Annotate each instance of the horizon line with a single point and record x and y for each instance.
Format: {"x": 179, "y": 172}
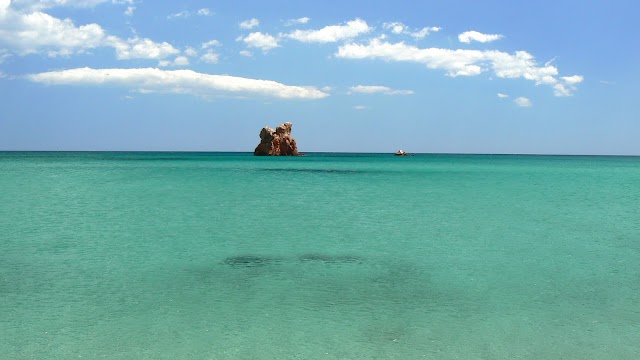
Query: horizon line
{"x": 307, "y": 152}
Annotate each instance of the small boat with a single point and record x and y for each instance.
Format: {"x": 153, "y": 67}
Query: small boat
{"x": 400, "y": 153}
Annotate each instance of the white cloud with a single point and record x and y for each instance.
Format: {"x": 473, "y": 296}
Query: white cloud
{"x": 34, "y": 5}
{"x": 211, "y": 43}
{"x": 502, "y": 96}
{"x": 395, "y": 27}
{"x": 137, "y": 48}
{"x": 400, "y": 28}
{"x": 249, "y": 24}
{"x": 178, "y": 61}
{"x": 569, "y": 85}
{"x": 181, "y": 61}
{"x": 2, "y": 75}
{"x": 179, "y": 15}
{"x": 373, "y": 89}
{"x": 37, "y": 32}
{"x": 456, "y": 62}
{"x": 29, "y": 33}
{"x": 204, "y": 12}
{"x": 302, "y": 20}
{"x": 4, "y": 7}
{"x": 332, "y": 33}
{"x": 246, "y": 53}
{"x": 360, "y": 107}
{"x": 561, "y": 90}
{"x": 130, "y": 10}
{"x": 189, "y": 51}
{"x": 572, "y": 80}
{"x": 523, "y": 102}
{"x": 550, "y": 61}
{"x": 185, "y": 14}
{"x": 38, "y": 5}
{"x": 4, "y": 55}
{"x": 151, "y": 80}
{"x": 259, "y": 40}
{"x": 469, "y": 36}
{"x": 210, "y": 57}
{"x": 521, "y": 64}
{"x": 421, "y": 34}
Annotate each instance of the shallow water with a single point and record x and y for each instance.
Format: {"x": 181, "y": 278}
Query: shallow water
{"x": 332, "y": 256}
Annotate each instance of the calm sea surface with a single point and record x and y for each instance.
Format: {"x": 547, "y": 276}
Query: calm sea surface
{"x": 328, "y": 256}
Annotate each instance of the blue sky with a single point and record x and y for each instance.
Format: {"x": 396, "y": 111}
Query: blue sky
{"x": 546, "y": 77}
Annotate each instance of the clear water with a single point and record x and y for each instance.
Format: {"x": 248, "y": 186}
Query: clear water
{"x": 229, "y": 256}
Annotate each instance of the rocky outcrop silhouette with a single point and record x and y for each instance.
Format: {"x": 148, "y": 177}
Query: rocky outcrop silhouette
{"x": 277, "y": 142}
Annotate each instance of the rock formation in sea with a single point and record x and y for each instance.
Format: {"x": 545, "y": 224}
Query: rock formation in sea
{"x": 277, "y": 142}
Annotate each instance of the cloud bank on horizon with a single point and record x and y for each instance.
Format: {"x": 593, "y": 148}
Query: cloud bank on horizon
{"x": 26, "y": 29}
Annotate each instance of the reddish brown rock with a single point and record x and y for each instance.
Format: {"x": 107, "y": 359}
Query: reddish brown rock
{"x": 277, "y": 142}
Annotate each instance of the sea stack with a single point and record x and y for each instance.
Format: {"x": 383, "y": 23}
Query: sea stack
{"x": 277, "y": 142}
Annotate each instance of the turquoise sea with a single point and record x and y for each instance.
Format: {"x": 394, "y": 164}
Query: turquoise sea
{"x": 328, "y": 256}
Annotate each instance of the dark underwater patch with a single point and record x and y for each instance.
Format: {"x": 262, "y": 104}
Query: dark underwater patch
{"x": 159, "y": 159}
{"x": 317, "y": 171}
{"x": 249, "y": 260}
{"x": 332, "y": 259}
